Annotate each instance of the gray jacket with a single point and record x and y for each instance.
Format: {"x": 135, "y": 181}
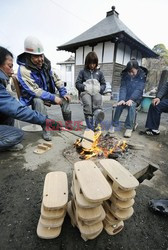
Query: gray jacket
{"x": 87, "y": 74}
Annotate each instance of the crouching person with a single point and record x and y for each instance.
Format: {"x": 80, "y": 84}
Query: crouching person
{"x": 38, "y": 82}
{"x": 10, "y": 108}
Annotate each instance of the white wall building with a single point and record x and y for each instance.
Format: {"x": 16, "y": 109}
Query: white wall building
{"x": 114, "y": 43}
{"x": 67, "y": 69}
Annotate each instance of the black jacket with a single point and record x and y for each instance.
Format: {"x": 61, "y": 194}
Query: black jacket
{"x": 163, "y": 91}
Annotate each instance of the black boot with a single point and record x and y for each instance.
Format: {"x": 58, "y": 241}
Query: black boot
{"x": 89, "y": 122}
{"x": 66, "y": 116}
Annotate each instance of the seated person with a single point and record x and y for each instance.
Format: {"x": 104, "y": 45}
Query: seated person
{"x": 133, "y": 79}
{"x": 159, "y": 105}
{"x": 10, "y": 108}
{"x": 91, "y": 84}
{"x": 38, "y": 82}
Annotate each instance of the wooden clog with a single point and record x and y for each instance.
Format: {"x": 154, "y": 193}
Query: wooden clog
{"x": 55, "y": 192}
{"x": 93, "y": 184}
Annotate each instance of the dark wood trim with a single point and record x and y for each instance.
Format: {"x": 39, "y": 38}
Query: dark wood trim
{"x": 124, "y": 53}
{"x": 114, "y": 60}
{"x": 83, "y": 55}
{"x": 103, "y": 52}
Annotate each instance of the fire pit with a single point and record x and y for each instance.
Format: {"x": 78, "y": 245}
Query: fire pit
{"x": 103, "y": 146}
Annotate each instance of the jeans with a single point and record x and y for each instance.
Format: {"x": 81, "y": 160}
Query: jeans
{"x": 154, "y": 114}
{"x": 9, "y": 136}
{"x": 129, "y": 122}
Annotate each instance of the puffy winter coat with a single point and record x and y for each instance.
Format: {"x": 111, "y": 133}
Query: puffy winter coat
{"x": 163, "y": 92}
{"x": 10, "y": 107}
{"x": 35, "y": 82}
{"x": 87, "y": 74}
{"x": 132, "y": 87}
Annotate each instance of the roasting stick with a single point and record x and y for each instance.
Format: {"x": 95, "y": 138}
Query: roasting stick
{"x": 80, "y": 136}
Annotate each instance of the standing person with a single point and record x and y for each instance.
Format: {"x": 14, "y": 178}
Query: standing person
{"x": 91, "y": 84}
{"x": 159, "y": 105}
{"x": 10, "y": 108}
{"x": 38, "y": 82}
{"x": 133, "y": 79}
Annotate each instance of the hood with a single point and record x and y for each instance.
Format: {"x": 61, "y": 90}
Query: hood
{"x": 3, "y": 76}
{"x": 141, "y": 71}
{"x": 24, "y": 59}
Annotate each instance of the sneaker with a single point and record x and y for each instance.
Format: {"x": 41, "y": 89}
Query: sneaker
{"x": 150, "y": 132}
{"x": 128, "y": 133}
{"x": 15, "y": 148}
{"x": 46, "y": 135}
{"x": 111, "y": 129}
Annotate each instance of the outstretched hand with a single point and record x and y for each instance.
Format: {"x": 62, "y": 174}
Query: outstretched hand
{"x": 67, "y": 98}
{"x": 121, "y": 103}
{"x": 58, "y": 100}
{"x": 156, "y": 101}
{"x": 129, "y": 103}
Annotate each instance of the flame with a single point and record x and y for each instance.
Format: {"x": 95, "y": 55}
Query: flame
{"x": 97, "y": 150}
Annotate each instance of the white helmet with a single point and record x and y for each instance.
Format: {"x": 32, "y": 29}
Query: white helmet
{"x": 33, "y": 46}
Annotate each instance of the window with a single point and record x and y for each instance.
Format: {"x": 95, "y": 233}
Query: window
{"x": 68, "y": 68}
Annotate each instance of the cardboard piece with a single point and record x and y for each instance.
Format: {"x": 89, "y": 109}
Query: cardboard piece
{"x": 42, "y": 148}
{"x": 124, "y": 179}
{"x": 55, "y": 192}
{"x": 90, "y": 135}
{"x": 93, "y": 184}
{"x": 47, "y": 233}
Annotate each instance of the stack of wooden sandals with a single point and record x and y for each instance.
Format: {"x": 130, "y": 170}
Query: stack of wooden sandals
{"x": 54, "y": 205}
{"x": 89, "y": 189}
{"x": 119, "y": 207}
{"x": 99, "y": 199}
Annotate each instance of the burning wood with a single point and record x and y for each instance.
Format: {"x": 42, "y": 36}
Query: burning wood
{"x": 106, "y": 146}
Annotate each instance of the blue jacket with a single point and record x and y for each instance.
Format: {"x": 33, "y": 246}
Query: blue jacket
{"x": 36, "y": 82}
{"x": 87, "y": 74}
{"x": 9, "y": 106}
{"x": 132, "y": 87}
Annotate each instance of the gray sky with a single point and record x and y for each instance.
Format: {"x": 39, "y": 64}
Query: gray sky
{"x": 55, "y": 22}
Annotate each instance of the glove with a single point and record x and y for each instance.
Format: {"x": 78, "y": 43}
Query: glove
{"x": 92, "y": 86}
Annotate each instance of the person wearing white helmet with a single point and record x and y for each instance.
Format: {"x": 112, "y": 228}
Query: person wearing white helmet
{"x": 38, "y": 82}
